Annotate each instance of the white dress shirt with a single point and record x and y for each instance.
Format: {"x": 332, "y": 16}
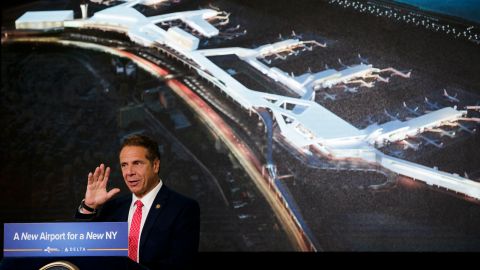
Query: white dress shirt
{"x": 147, "y": 201}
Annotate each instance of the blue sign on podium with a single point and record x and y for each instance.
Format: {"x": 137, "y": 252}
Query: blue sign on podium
{"x": 65, "y": 239}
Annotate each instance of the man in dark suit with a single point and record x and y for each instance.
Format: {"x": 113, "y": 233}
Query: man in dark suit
{"x": 164, "y": 226}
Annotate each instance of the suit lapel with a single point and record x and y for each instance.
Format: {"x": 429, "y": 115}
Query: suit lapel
{"x": 157, "y": 208}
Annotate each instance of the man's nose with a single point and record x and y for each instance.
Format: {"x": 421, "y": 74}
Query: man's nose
{"x": 129, "y": 170}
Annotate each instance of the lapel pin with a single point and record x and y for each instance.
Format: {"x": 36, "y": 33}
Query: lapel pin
{"x": 158, "y": 206}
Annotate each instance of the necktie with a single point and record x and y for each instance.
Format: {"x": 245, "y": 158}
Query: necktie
{"x": 135, "y": 232}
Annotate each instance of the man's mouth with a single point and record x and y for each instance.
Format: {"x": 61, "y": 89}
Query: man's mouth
{"x": 133, "y": 183}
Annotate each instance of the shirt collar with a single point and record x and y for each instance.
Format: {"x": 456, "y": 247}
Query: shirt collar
{"x": 150, "y": 196}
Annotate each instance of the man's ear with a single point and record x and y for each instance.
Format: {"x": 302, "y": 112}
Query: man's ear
{"x": 156, "y": 165}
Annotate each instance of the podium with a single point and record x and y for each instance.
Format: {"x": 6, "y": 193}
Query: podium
{"x": 67, "y": 246}
{"x": 82, "y": 263}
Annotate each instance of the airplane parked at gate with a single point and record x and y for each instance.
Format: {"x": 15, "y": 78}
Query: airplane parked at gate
{"x": 413, "y": 111}
{"x": 451, "y": 98}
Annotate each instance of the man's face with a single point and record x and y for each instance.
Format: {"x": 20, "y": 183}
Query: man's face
{"x": 139, "y": 173}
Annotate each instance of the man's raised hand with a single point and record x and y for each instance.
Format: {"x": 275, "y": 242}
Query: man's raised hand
{"x": 97, "y": 194}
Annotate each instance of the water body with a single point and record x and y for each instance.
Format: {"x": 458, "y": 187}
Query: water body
{"x": 464, "y": 9}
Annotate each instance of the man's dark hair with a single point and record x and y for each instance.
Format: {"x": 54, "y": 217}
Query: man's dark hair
{"x": 143, "y": 141}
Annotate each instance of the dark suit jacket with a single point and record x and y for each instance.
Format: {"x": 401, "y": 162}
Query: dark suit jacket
{"x": 171, "y": 232}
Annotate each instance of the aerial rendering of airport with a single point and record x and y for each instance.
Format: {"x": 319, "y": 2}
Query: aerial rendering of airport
{"x": 334, "y": 125}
